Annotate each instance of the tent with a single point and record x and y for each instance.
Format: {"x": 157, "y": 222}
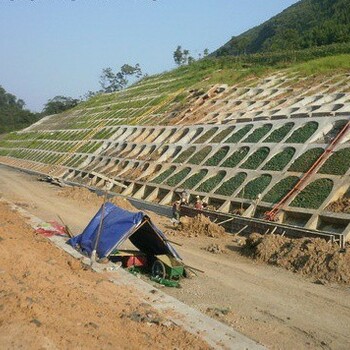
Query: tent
{"x": 119, "y": 225}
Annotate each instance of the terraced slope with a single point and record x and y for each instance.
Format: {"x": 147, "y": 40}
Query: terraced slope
{"x": 257, "y": 134}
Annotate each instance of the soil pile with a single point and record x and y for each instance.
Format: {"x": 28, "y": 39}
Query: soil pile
{"x": 215, "y": 249}
{"x": 342, "y": 205}
{"x": 85, "y": 196}
{"x": 309, "y": 256}
{"x": 201, "y": 226}
{"x": 49, "y": 300}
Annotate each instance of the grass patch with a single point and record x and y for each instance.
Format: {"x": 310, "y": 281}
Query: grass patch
{"x": 302, "y": 134}
{"x": 258, "y": 134}
{"x": 165, "y": 174}
{"x": 217, "y": 157}
{"x": 207, "y": 135}
{"x": 279, "y": 134}
{"x": 178, "y": 177}
{"x": 280, "y": 160}
{"x": 230, "y": 186}
{"x": 223, "y": 134}
{"x": 211, "y": 183}
{"x": 306, "y": 160}
{"x": 195, "y": 179}
{"x": 185, "y": 155}
{"x": 238, "y": 135}
{"x": 256, "y": 158}
{"x": 236, "y": 157}
{"x": 338, "y": 163}
{"x": 255, "y": 187}
{"x": 314, "y": 194}
{"x": 200, "y": 156}
{"x": 280, "y": 189}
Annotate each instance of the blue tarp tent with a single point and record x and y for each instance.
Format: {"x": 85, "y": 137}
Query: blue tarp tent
{"x": 119, "y": 225}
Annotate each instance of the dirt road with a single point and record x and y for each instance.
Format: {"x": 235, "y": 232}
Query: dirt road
{"x": 273, "y": 306}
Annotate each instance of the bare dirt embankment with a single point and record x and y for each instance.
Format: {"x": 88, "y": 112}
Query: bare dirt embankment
{"x": 313, "y": 257}
{"x": 49, "y": 300}
{"x": 278, "y": 308}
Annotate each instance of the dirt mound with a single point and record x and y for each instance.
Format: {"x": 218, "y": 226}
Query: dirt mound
{"x": 215, "y": 249}
{"x": 49, "y": 300}
{"x": 309, "y": 256}
{"x": 201, "y": 226}
{"x": 342, "y": 205}
{"x": 85, "y": 196}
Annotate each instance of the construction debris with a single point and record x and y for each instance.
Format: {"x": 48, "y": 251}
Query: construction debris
{"x": 215, "y": 249}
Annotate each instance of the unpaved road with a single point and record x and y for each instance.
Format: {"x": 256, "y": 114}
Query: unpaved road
{"x": 270, "y": 305}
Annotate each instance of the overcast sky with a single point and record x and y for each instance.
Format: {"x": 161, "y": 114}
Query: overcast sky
{"x": 59, "y": 47}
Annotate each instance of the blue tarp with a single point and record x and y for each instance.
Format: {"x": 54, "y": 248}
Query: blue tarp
{"x": 119, "y": 225}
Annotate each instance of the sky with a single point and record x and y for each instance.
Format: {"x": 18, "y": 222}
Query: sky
{"x": 59, "y": 47}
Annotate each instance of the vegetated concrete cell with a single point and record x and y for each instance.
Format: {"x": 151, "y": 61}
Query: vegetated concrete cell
{"x": 256, "y": 158}
{"x": 194, "y": 179}
{"x": 185, "y": 154}
{"x": 236, "y": 157}
{"x": 338, "y": 163}
{"x": 255, "y": 187}
{"x": 281, "y": 189}
{"x": 230, "y": 186}
{"x": 217, "y": 157}
{"x": 207, "y": 135}
{"x": 314, "y": 194}
{"x": 164, "y": 175}
{"x": 279, "y": 134}
{"x": 280, "y": 160}
{"x": 303, "y": 133}
{"x": 199, "y": 156}
{"x": 306, "y": 160}
{"x": 258, "y": 133}
{"x": 239, "y": 134}
{"x": 211, "y": 183}
{"x": 178, "y": 177}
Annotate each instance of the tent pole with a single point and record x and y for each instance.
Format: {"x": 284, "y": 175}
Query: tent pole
{"x": 93, "y": 254}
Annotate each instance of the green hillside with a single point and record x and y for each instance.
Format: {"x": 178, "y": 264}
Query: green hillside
{"x": 306, "y": 24}
{"x": 13, "y": 116}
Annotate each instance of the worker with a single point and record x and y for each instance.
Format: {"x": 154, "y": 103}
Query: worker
{"x": 184, "y": 197}
{"x": 198, "y": 205}
{"x": 176, "y": 213}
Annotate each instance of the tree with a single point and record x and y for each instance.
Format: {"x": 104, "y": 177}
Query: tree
{"x": 13, "y": 116}
{"x": 111, "y": 82}
{"x": 59, "y": 104}
{"x": 178, "y": 56}
{"x": 182, "y": 57}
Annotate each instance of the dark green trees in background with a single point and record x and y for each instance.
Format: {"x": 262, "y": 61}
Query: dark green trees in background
{"x": 13, "y": 116}
{"x": 59, "y": 104}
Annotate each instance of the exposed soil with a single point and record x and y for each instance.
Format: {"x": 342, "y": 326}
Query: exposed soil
{"x": 313, "y": 257}
{"x": 200, "y": 225}
{"x": 278, "y": 308}
{"x": 85, "y": 196}
{"x": 49, "y": 300}
{"x": 342, "y": 205}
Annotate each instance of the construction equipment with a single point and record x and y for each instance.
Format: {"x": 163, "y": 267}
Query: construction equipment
{"x": 167, "y": 267}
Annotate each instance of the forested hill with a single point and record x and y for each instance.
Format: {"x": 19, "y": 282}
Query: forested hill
{"x": 308, "y": 23}
{"x": 13, "y": 116}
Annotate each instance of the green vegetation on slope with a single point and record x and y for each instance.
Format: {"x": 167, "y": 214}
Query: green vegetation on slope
{"x": 306, "y": 24}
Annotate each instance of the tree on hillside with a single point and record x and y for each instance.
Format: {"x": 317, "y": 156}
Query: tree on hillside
{"x": 182, "y": 57}
{"x": 111, "y": 82}
{"x": 59, "y": 104}
{"x": 13, "y": 116}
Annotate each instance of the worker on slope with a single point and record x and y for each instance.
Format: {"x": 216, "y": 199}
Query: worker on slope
{"x": 199, "y": 204}
{"x": 176, "y": 213}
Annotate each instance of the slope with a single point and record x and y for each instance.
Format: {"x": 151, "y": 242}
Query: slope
{"x": 306, "y": 24}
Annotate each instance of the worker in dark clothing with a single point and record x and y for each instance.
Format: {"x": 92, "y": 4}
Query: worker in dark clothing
{"x": 176, "y": 213}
